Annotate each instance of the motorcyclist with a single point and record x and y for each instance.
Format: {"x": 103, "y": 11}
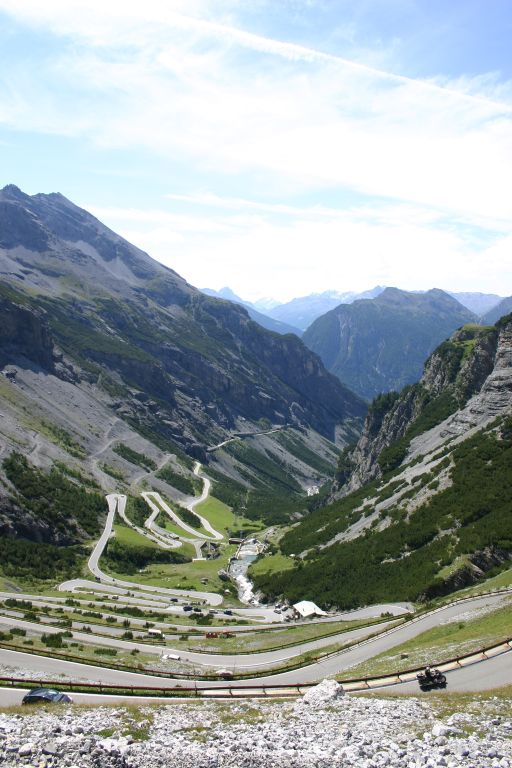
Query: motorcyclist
{"x": 429, "y": 672}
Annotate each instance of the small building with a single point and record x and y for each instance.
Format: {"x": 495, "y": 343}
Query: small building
{"x": 306, "y": 608}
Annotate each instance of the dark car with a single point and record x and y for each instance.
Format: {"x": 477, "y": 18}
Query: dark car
{"x": 187, "y": 608}
{"x": 49, "y": 695}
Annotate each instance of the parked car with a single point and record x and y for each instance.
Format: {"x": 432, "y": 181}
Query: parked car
{"x": 187, "y": 608}
{"x": 46, "y": 695}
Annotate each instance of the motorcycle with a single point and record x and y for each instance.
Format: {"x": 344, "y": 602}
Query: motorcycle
{"x": 436, "y": 679}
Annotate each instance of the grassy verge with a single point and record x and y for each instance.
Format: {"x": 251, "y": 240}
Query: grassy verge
{"x": 73, "y": 649}
{"x": 445, "y": 641}
{"x": 124, "y": 618}
{"x": 271, "y": 564}
{"x": 164, "y": 521}
{"x": 223, "y": 519}
{"x": 187, "y": 575}
{"x": 96, "y": 654}
{"x": 175, "y": 575}
{"x": 130, "y": 537}
{"x": 265, "y": 640}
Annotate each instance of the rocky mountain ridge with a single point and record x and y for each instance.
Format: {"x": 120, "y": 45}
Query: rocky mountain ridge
{"x": 104, "y": 348}
{"x": 467, "y": 382}
{"x": 255, "y": 314}
{"x": 377, "y": 345}
{"x": 477, "y": 302}
{"x": 422, "y": 503}
{"x": 111, "y": 304}
{"x": 304, "y": 310}
{"x": 504, "y": 307}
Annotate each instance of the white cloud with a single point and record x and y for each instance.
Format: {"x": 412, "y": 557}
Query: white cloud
{"x": 297, "y": 256}
{"x": 309, "y": 130}
{"x": 179, "y": 79}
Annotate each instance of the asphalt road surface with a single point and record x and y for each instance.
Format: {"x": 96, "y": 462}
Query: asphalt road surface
{"x": 482, "y": 676}
{"x": 337, "y": 663}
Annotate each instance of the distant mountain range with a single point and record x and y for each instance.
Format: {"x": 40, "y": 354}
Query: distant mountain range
{"x": 478, "y": 303}
{"x": 499, "y": 310}
{"x": 297, "y": 315}
{"x": 302, "y": 311}
{"x": 381, "y": 344}
{"x": 378, "y": 340}
{"x": 264, "y": 320}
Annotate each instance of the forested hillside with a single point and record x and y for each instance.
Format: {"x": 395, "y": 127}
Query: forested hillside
{"x": 437, "y": 514}
{"x": 380, "y": 344}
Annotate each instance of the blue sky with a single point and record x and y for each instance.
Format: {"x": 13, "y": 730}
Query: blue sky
{"x": 277, "y": 146}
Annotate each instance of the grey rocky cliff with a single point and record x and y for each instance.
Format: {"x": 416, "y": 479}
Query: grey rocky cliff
{"x": 123, "y": 317}
{"x": 467, "y": 382}
{"x": 478, "y": 564}
{"x": 24, "y": 332}
{"x": 18, "y": 522}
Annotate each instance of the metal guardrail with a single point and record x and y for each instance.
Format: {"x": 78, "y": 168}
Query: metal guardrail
{"x": 416, "y": 619}
{"x": 407, "y": 675}
{"x": 363, "y": 683}
{"x": 200, "y": 635}
{"x": 349, "y": 684}
{"x": 296, "y": 689}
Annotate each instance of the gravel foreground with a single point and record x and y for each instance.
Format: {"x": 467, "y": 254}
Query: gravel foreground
{"x": 325, "y": 728}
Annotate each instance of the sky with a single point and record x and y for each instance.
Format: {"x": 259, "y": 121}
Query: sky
{"x": 281, "y": 147}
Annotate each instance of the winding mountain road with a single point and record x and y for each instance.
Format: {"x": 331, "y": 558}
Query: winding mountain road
{"x": 497, "y": 670}
{"x": 116, "y": 501}
{"x": 333, "y": 664}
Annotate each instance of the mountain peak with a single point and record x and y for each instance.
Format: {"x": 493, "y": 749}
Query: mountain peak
{"x": 378, "y": 345}
{"x": 13, "y": 192}
{"x": 76, "y": 245}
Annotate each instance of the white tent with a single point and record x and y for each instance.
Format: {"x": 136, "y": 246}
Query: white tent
{"x": 306, "y": 608}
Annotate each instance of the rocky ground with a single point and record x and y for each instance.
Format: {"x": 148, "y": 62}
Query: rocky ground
{"x": 325, "y": 728}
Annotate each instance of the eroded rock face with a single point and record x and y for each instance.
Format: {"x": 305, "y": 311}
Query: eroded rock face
{"x": 16, "y": 522}
{"x": 24, "y": 332}
{"x": 479, "y": 563}
{"x": 113, "y": 309}
{"x": 467, "y": 381}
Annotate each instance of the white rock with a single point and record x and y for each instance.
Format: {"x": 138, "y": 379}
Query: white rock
{"x": 323, "y": 693}
{"x": 114, "y": 745}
